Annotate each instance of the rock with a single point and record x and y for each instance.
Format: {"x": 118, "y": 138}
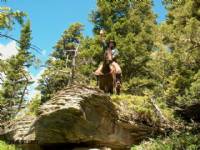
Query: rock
{"x": 77, "y": 116}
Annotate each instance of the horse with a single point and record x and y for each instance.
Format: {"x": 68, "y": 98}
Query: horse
{"x": 107, "y": 81}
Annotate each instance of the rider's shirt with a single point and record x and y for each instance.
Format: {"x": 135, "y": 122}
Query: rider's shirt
{"x": 115, "y": 53}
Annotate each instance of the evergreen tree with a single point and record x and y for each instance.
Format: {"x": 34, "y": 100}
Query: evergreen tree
{"x": 131, "y": 24}
{"x": 8, "y": 17}
{"x": 17, "y": 78}
{"x": 183, "y": 24}
{"x": 58, "y": 71}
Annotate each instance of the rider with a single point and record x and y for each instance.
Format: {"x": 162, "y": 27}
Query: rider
{"x": 111, "y": 44}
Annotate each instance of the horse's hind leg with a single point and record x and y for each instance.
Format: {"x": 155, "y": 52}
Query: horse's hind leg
{"x": 118, "y": 86}
{"x": 111, "y": 91}
{"x": 111, "y": 88}
{"x": 118, "y": 83}
{"x": 101, "y": 83}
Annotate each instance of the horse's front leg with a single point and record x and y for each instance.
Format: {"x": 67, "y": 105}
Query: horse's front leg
{"x": 114, "y": 79}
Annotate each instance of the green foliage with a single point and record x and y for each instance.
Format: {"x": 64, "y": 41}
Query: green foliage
{"x": 34, "y": 104}
{"x": 181, "y": 36}
{"x": 195, "y": 86}
{"x": 17, "y": 78}
{"x": 5, "y": 146}
{"x": 161, "y": 59}
{"x": 58, "y": 71}
{"x": 89, "y": 57}
{"x": 142, "y": 106}
{"x": 183, "y": 141}
{"x": 131, "y": 24}
{"x": 8, "y": 17}
{"x": 138, "y": 85}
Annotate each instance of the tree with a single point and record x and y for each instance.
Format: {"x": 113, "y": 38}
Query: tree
{"x": 131, "y": 24}
{"x": 175, "y": 63}
{"x": 8, "y": 17}
{"x": 17, "y": 78}
{"x": 58, "y": 71}
{"x": 183, "y": 41}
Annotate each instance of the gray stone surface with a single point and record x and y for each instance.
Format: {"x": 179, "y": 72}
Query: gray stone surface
{"x": 77, "y": 115}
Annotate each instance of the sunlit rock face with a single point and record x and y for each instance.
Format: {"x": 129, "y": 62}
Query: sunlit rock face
{"x": 77, "y": 116}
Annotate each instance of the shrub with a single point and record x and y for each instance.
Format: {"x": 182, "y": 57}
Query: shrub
{"x": 183, "y": 141}
{"x": 5, "y": 146}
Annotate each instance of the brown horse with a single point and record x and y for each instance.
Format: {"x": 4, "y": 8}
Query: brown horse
{"x": 107, "y": 81}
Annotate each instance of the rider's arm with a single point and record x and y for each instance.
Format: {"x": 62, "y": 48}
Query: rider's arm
{"x": 103, "y": 41}
{"x": 104, "y": 44}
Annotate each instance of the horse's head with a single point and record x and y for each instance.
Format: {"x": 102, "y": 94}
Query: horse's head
{"x": 108, "y": 56}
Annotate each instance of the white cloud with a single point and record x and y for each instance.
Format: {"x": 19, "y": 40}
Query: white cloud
{"x": 8, "y": 50}
{"x": 32, "y": 90}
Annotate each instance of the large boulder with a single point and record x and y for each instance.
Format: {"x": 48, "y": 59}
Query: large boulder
{"x": 77, "y": 116}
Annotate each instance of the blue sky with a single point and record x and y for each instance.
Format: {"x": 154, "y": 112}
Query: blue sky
{"x": 160, "y": 10}
{"x": 49, "y": 18}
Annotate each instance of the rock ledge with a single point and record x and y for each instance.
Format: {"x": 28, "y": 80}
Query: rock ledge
{"x": 77, "y": 115}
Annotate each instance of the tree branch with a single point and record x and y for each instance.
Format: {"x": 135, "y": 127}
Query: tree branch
{"x": 34, "y": 47}
{"x": 158, "y": 111}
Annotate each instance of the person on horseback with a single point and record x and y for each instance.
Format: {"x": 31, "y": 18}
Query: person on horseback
{"x": 110, "y": 45}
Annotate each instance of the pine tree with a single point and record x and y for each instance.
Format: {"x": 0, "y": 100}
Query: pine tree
{"x": 131, "y": 24}
{"x": 181, "y": 36}
{"x": 8, "y": 17}
{"x": 59, "y": 65}
{"x": 17, "y": 78}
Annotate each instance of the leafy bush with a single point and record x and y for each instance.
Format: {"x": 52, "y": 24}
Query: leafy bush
{"x": 142, "y": 106}
{"x": 138, "y": 86}
{"x": 34, "y": 105}
{"x": 183, "y": 141}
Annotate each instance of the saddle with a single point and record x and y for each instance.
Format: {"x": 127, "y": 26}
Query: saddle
{"x": 116, "y": 66}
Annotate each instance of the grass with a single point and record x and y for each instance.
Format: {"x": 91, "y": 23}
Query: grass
{"x": 5, "y": 146}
